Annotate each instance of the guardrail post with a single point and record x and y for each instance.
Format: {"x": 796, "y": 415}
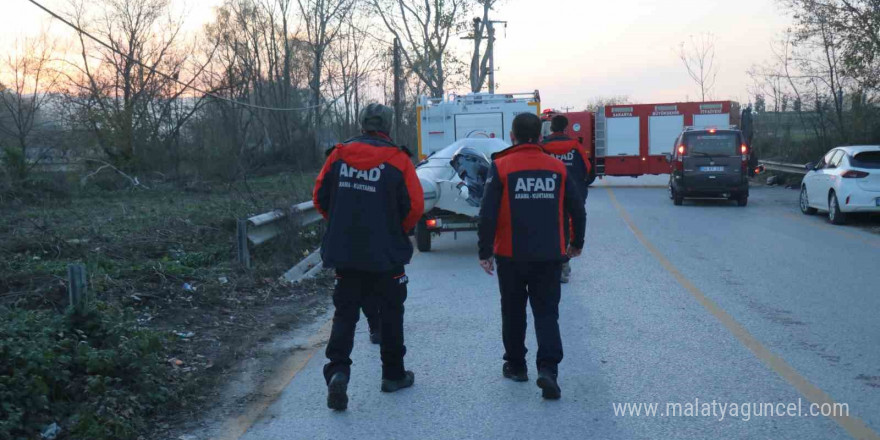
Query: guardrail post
{"x": 241, "y": 240}
{"x": 77, "y": 287}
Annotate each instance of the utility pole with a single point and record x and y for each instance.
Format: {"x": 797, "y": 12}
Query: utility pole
{"x": 476, "y": 72}
{"x": 398, "y": 111}
{"x": 491, "y": 49}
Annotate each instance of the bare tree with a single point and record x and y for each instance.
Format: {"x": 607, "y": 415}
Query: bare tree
{"x": 32, "y": 79}
{"x": 698, "y": 56}
{"x": 129, "y": 94}
{"x": 859, "y": 25}
{"x": 598, "y": 102}
{"x": 353, "y": 59}
{"x": 424, "y": 29}
{"x": 323, "y": 20}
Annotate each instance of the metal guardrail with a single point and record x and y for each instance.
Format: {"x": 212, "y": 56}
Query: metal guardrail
{"x": 261, "y": 228}
{"x": 784, "y": 167}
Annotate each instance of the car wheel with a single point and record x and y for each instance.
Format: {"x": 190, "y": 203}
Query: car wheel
{"x": 423, "y": 236}
{"x": 805, "y": 202}
{"x": 677, "y": 198}
{"x": 742, "y": 200}
{"x": 834, "y": 215}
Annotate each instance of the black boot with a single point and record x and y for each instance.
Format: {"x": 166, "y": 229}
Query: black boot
{"x": 390, "y": 386}
{"x": 336, "y": 392}
{"x": 516, "y": 374}
{"x": 547, "y": 383}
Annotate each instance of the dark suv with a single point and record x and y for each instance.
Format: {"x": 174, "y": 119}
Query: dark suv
{"x": 709, "y": 162}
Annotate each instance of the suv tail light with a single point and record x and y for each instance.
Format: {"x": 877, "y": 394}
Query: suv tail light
{"x": 853, "y": 174}
{"x": 744, "y": 149}
{"x": 678, "y": 164}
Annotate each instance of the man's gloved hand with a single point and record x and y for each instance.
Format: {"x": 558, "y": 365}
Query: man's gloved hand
{"x": 573, "y": 251}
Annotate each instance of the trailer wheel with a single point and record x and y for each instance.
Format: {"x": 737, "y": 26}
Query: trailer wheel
{"x": 423, "y": 236}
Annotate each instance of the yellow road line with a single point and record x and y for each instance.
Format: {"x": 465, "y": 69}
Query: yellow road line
{"x": 853, "y": 425}
{"x": 234, "y": 428}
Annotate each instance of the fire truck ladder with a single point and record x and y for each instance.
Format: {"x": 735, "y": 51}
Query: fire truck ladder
{"x": 601, "y": 141}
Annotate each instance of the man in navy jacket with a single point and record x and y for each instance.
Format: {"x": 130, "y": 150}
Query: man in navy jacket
{"x": 522, "y": 228}
{"x": 574, "y": 156}
{"x": 371, "y": 197}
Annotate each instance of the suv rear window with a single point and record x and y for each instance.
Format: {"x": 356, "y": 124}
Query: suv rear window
{"x": 868, "y": 159}
{"x": 712, "y": 144}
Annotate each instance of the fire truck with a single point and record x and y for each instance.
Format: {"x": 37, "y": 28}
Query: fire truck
{"x": 633, "y": 139}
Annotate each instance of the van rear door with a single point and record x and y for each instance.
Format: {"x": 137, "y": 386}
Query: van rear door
{"x": 713, "y": 159}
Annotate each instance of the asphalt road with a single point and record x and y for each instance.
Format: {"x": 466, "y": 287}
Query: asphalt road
{"x": 669, "y": 304}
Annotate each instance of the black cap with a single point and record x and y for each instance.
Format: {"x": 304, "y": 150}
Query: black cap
{"x": 376, "y": 117}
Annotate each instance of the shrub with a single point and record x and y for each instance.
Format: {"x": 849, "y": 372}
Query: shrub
{"x": 99, "y": 375}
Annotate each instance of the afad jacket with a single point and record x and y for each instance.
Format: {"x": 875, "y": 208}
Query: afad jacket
{"x": 371, "y": 197}
{"x": 521, "y": 215}
{"x": 573, "y": 155}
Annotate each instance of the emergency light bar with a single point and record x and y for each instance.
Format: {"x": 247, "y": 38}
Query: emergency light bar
{"x": 709, "y": 127}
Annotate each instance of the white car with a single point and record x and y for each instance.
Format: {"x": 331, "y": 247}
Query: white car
{"x": 845, "y": 180}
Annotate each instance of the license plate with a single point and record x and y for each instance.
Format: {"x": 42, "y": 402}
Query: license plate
{"x": 711, "y": 168}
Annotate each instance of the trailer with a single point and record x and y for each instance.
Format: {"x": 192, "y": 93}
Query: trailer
{"x": 457, "y": 137}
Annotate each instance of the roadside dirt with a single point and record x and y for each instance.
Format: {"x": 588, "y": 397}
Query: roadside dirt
{"x": 236, "y": 352}
{"x": 167, "y": 255}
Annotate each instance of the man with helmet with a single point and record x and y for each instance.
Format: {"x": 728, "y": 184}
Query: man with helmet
{"x": 574, "y": 156}
{"x": 521, "y": 228}
{"x": 371, "y": 197}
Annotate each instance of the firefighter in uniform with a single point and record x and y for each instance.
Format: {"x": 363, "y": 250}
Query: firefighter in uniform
{"x": 521, "y": 227}
{"x": 573, "y": 155}
{"x": 371, "y": 197}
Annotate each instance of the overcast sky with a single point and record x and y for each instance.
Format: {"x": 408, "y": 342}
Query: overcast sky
{"x": 574, "y": 50}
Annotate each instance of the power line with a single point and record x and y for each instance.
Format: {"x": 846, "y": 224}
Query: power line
{"x": 166, "y": 76}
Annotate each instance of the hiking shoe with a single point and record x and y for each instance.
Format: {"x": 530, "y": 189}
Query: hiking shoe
{"x": 337, "y": 399}
{"x": 563, "y": 279}
{"x": 547, "y": 383}
{"x": 390, "y": 386}
{"x": 376, "y": 338}
{"x": 515, "y": 374}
